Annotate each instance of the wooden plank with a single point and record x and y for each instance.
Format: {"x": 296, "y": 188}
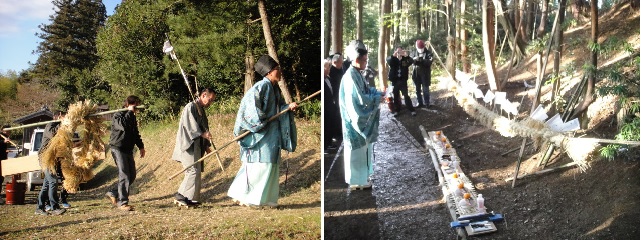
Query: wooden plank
{"x": 20, "y": 165}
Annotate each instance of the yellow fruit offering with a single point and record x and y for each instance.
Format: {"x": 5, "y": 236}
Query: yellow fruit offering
{"x": 438, "y": 132}
{"x": 447, "y": 145}
{"x": 467, "y": 195}
{"x": 455, "y": 175}
{"x": 461, "y": 185}
{"x": 444, "y": 139}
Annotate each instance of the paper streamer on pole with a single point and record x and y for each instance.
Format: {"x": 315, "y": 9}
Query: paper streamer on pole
{"x": 539, "y": 114}
{"x": 478, "y": 93}
{"x": 501, "y": 97}
{"x": 488, "y": 97}
{"x": 555, "y": 123}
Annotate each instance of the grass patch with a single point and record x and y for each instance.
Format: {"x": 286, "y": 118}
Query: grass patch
{"x": 91, "y": 215}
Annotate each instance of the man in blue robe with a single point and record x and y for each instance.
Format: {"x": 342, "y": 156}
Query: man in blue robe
{"x": 257, "y": 182}
{"x": 360, "y": 111}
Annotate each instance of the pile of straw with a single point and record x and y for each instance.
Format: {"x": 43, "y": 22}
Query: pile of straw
{"x": 76, "y": 165}
{"x": 579, "y": 150}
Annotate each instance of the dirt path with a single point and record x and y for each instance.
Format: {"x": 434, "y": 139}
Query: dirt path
{"x": 602, "y": 203}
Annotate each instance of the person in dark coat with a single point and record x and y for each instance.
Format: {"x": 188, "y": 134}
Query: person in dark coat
{"x": 330, "y": 106}
{"x": 123, "y": 138}
{"x": 422, "y": 73}
{"x": 336, "y": 73}
{"x": 398, "y": 74}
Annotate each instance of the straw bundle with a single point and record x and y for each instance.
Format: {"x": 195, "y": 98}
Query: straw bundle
{"x": 76, "y": 165}
{"x": 579, "y": 150}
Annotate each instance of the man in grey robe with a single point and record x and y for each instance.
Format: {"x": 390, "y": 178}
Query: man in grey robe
{"x": 192, "y": 141}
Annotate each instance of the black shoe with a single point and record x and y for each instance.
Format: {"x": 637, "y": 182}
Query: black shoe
{"x": 193, "y": 203}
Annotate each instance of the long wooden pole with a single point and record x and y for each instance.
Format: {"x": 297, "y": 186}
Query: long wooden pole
{"x": 240, "y": 137}
{"x": 8, "y": 139}
{"x": 53, "y": 121}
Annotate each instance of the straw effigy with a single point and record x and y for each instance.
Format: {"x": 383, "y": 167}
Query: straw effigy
{"x": 579, "y": 150}
{"x": 76, "y": 165}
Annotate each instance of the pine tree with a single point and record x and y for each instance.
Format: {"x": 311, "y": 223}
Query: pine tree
{"x": 68, "y": 50}
{"x": 69, "y": 40}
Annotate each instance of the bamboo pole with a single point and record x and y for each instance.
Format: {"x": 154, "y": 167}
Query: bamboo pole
{"x": 514, "y": 149}
{"x": 240, "y": 136}
{"x": 543, "y": 171}
{"x": 8, "y": 139}
{"x": 59, "y": 120}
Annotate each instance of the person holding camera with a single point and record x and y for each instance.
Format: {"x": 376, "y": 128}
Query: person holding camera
{"x": 422, "y": 73}
{"x": 398, "y": 74}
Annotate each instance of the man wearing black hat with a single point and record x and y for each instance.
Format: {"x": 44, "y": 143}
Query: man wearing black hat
{"x": 257, "y": 181}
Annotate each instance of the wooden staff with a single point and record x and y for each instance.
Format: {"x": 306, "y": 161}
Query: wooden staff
{"x": 240, "y": 136}
{"x": 59, "y": 120}
{"x": 8, "y": 139}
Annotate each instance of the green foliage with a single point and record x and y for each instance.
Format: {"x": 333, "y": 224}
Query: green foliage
{"x": 538, "y": 44}
{"x": 69, "y": 39}
{"x": 68, "y": 51}
{"x": 8, "y": 85}
{"x": 211, "y": 40}
{"x": 79, "y": 85}
{"x": 629, "y": 131}
{"x": 310, "y": 110}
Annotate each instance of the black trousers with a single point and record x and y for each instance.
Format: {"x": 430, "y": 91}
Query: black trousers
{"x": 401, "y": 87}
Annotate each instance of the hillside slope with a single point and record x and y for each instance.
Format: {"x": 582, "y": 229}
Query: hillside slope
{"x": 156, "y": 217}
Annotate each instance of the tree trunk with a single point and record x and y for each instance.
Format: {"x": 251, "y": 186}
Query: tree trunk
{"x": 450, "y": 18}
{"x": 271, "y": 48}
{"x": 398, "y": 22}
{"x": 543, "y": 18}
{"x": 558, "y": 42}
{"x": 529, "y": 25}
{"x": 488, "y": 44}
{"x": 327, "y": 27}
{"x": 591, "y": 82}
{"x": 466, "y": 65}
{"x": 418, "y": 18}
{"x": 358, "y": 16}
{"x": 518, "y": 49}
{"x": 381, "y": 52}
{"x": 337, "y": 28}
{"x": 250, "y": 73}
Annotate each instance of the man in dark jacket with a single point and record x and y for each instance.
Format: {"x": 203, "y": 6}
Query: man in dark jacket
{"x": 123, "y": 137}
{"x": 335, "y": 76}
{"x": 398, "y": 74}
{"x": 422, "y": 73}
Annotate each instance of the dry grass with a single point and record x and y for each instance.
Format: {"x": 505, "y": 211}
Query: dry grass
{"x": 298, "y": 216}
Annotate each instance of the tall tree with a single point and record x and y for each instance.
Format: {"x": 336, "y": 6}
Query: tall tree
{"x": 488, "y": 43}
{"x": 359, "y": 12}
{"x": 337, "y": 29}
{"x": 591, "y": 81}
{"x": 327, "y": 22}
{"x": 383, "y": 41}
{"x": 544, "y": 13}
{"x": 68, "y": 50}
{"x": 418, "y": 18}
{"x": 271, "y": 48}
{"x": 518, "y": 49}
{"x": 466, "y": 64}
{"x": 558, "y": 43}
